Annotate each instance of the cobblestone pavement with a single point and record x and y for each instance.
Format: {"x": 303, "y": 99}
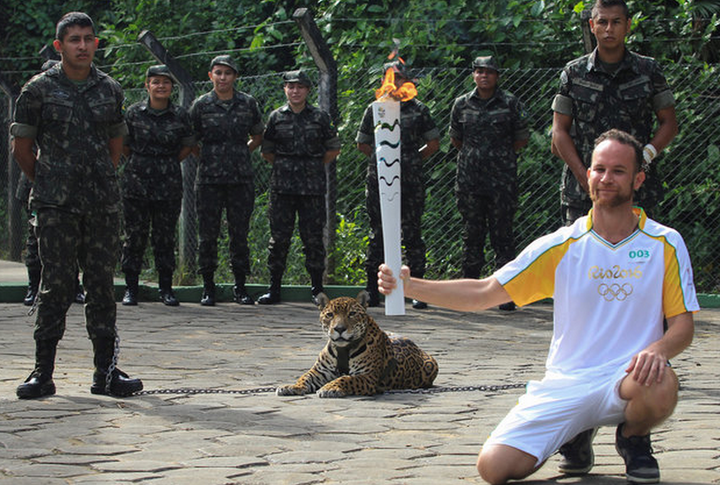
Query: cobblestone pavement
{"x": 256, "y": 437}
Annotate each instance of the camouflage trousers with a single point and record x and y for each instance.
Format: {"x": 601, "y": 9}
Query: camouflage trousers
{"x": 483, "y": 213}
{"x": 140, "y": 216}
{"x": 238, "y": 200}
{"x": 412, "y": 208}
{"x": 93, "y": 241}
{"x": 311, "y": 219}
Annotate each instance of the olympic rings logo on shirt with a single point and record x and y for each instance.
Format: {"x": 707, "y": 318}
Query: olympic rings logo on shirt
{"x": 615, "y": 291}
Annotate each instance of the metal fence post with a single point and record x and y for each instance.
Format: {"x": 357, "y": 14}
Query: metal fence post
{"x": 188, "y": 215}
{"x": 15, "y": 233}
{"x": 589, "y": 41}
{"x": 327, "y": 99}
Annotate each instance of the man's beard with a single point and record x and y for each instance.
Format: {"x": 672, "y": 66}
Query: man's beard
{"x": 617, "y": 200}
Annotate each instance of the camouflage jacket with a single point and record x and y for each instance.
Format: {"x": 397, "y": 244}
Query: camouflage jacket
{"x": 299, "y": 142}
{"x": 416, "y": 129}
{"x": 72, "y": 125}
{"x": 598, "y": 100}
{"x": 155, "y": 139}
{"x": 223, "y": 129}
{"x": 488, "y": 130}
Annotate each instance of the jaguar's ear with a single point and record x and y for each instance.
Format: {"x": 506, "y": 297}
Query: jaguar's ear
{"x": 363, "y": 298}
{"x": 322, "y": 300}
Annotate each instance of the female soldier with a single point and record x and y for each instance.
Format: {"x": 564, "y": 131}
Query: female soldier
{"x": 160, "y": 136}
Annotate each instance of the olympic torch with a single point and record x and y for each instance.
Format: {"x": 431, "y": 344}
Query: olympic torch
{"x": 386, "y": 117}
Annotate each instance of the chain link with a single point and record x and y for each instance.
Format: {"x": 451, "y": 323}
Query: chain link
{"x": 263, "y": 390}
{"x": 192, "y": 392}
{"x": 35, "y": 303}
{"x": 437, "y": 390}
{"x": 113, "y": 363}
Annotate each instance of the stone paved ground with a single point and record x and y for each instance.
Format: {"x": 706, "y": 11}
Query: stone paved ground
{"x": 258, "y": 438}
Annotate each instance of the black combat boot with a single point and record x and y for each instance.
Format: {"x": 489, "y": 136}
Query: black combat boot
{"x": 240, "y": 292}
{"x": 40, "y": 382}
{"x": 132, "y": 285}
{"x": 273, "y": 294}
{"x": 316, "y": 285}
{"x": 33, "y": 286}
{"x": 165, "y": 288}
{"x": 208, "y": 296}
{"x": 108, "y": 379}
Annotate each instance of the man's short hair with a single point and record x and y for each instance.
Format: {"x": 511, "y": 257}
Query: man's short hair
{"x": 72, "y": 19}
{"x": 626, "y": 139}
{"x": 610, "y": 3}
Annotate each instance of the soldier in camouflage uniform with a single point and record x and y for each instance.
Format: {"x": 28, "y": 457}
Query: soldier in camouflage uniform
{"x": 32, "y": 256}
{"x": 229, "y": 127}
{"x": 488, "y": 126}
{"x": 420, "y": 138}
{"x": 159, "y": 137}
{"x": 299, "y": 141}
{"x": 73, "y": 113}
{"x": 610, "y": 88}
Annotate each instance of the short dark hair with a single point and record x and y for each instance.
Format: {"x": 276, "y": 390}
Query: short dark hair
{"x": 610, "y": 3}
{"x": 72, "y": 19}
{"x": 626, "y": 139}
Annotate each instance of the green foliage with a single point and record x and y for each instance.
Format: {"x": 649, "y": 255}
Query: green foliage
{"x": 438, "y": 38}
{"x": 347, "y": 256}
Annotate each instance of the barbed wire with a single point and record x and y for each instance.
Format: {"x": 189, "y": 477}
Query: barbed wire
{"x": 218, "y": 31}
{"x": 485, "y": 20}
{"x": 241, "y": 49}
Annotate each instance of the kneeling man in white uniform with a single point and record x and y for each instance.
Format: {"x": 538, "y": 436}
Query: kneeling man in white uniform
{"x": 615, "y": 276}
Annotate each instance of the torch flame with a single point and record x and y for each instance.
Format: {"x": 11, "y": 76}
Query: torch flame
{"x": 388, "y": 90}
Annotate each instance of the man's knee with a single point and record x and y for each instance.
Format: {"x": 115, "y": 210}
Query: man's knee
{"x": 658, "y": 400}
{"x": 497, "y": 464}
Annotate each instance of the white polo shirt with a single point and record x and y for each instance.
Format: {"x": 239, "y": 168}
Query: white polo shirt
{"x": 609, "y": 299}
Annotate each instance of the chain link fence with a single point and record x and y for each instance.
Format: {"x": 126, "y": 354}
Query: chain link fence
{"x": 689, "y": 167}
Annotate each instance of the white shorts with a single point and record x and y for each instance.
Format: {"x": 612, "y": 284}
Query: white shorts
{"x": 554, "y": 410}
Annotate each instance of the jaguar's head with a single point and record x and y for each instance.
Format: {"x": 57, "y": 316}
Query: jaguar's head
{"x": 344, "y": 319}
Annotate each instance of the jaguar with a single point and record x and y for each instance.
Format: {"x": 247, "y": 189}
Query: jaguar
{"x": 359, "y": 357}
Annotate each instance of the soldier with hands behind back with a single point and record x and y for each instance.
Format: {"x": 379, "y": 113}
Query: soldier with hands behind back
{"x": 610, "y": 88}
{"x": 299, "y": 141}
{"x": 159, "y": 137}
{"x": 73, "y": 112}
{"x": 229, "y": 127}
{"x": 488, "y": 126}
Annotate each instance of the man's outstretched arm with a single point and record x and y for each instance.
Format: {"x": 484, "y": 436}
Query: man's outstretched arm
{"x": 466, "y": 295}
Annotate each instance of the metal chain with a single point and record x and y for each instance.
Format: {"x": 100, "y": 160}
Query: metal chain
{"x": 437, "y": 390}
{"x": 190, "y": 392}
{"x": 34, "y": 306}
{"x": 263, "y": 390}
{"x": 113, "y": 363}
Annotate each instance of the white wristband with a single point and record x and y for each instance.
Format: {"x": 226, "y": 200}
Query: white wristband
{"x": 649, "y": 153}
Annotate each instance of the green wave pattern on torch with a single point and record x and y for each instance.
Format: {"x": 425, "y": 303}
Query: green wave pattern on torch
{"x": 384, "y": 161}
{"x": 387, "y": 143}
